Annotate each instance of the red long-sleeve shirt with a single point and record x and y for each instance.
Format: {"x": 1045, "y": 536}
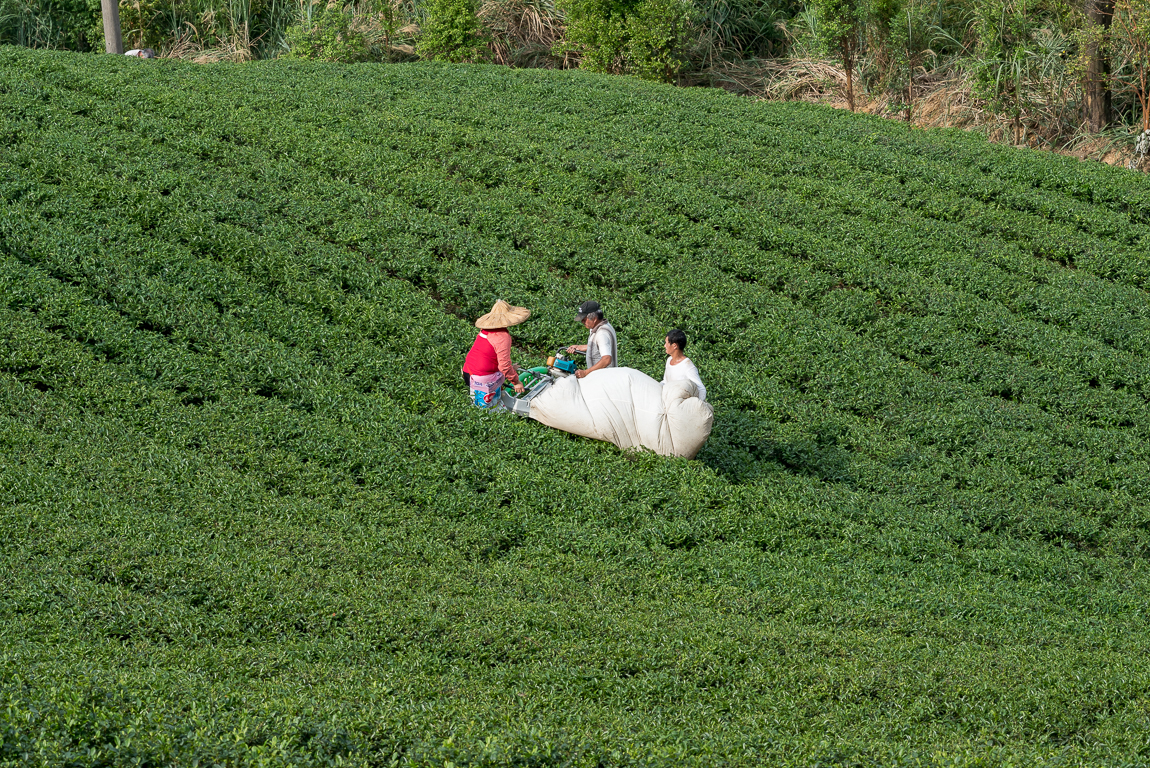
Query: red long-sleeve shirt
{"x": 479, "y": 361}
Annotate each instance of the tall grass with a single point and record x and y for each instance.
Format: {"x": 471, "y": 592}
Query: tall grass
{"x": 231, "y": 29}
{"x": 235, "y": 29}
{"x": 740, "y": 29}
{"x": 60, "y": 24}
{"x": 524, "y": 32}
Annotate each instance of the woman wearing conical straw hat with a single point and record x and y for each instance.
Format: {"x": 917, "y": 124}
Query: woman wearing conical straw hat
{"x": 489, "y": 360}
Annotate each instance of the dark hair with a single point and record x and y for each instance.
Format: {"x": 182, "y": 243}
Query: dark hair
{"x": 678, "y": 338}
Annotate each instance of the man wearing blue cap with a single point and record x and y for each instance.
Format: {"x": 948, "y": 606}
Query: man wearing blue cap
{"x": 602, "y": 346}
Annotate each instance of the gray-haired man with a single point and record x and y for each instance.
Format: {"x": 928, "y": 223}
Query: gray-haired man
{"x": 602, "y": 346}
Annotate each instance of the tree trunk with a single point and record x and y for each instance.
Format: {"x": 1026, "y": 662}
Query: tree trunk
{"x": 1144, "y": 101}
{"x": 849, "y": 65}
{"x": 910, "y": 94}
{"x": 1100, "y": 14}
{"x": 113, "y": 42}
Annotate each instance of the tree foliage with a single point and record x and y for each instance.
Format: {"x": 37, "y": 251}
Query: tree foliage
{"x": 910, "y": 38}
{"x": 1131, "y": 30}
{"x": 841, "y": 25}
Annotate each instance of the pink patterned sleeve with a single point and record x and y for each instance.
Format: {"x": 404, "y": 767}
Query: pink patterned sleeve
{"x": 501, "y": 340}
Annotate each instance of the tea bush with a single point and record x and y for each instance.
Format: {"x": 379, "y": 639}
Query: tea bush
{"x": 247, "y": 516}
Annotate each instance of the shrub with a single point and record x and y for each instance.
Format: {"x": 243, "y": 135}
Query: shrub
{"x": 451, "y": 32}
{"x": 640, "y": 37}
{"x": 325, "y": 34}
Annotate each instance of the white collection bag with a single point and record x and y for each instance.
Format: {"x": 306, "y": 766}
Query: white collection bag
{"x": 630, "y": 409}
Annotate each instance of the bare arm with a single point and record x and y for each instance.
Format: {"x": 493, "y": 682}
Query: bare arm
{"x": 604, "y": 361}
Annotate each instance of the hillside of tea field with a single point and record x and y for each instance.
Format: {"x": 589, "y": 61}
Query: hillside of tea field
{"x": 247, "y": 516}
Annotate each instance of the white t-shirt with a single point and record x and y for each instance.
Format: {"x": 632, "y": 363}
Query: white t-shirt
{"x": 684, "y": 371}
{"x": 602, "y": 343}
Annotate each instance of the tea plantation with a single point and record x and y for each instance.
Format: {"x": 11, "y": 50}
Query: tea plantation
{"x": 247, "y": 516}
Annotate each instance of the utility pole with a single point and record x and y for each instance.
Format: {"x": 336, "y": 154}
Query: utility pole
{"x": 113, "y": 42}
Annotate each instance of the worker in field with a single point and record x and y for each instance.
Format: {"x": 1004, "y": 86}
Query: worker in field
{"x": 679, "y": 367}
{"x": 488, "y": 363}
{"x": 602, "y": 345}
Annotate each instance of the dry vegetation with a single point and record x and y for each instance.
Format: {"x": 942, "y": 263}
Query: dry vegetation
{"x": 524, "y": 32}
{"x": 942, "y": 99}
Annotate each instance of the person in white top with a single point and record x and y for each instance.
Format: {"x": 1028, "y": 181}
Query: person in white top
{"x": 679, "y": 367}
{"x": 602, "y": 345}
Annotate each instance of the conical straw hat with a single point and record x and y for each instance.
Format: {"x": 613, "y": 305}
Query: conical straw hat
{"x": 503, "y": 315}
